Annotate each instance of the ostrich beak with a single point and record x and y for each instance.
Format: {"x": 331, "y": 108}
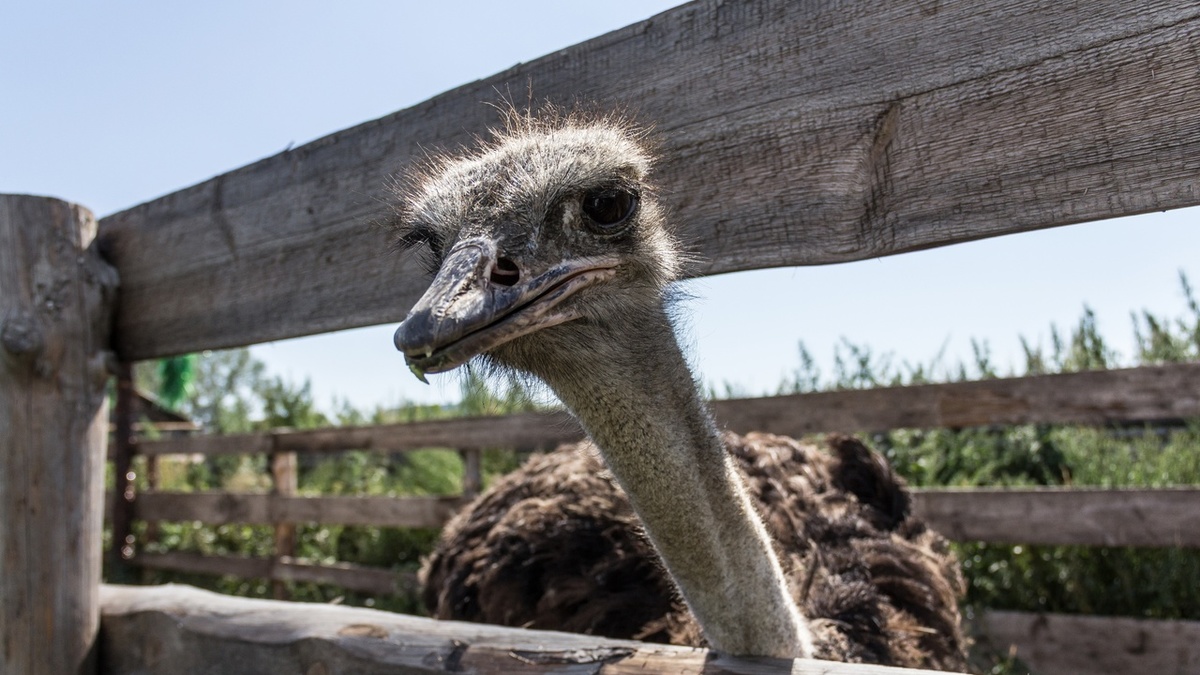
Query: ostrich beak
{"x": 469, "y": 309}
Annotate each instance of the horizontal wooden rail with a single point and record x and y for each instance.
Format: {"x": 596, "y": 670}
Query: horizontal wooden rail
{"x": 1099, "y": 397}
{"x": 162, "y": 630}
{"x": 1064, "y": 644}
{"x": 371, "y": 580}
{"x": 1094, "y": 398}
{"x": 1049, "y": 643}
{"x": 1162, "y": 517}
{"x": 226, "y": 507}
{"x": 240, "y": 635}
{"x": 523, "y": 430}
{"x": 791, "y": 133}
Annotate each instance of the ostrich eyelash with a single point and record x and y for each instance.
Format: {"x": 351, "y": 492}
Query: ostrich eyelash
{"x": 413, "y": 236}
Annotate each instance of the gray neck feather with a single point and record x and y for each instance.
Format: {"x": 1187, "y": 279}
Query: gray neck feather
{"x": 640, "y": 405}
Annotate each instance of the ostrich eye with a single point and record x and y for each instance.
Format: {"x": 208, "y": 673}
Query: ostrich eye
{"x": 609, "y": 209}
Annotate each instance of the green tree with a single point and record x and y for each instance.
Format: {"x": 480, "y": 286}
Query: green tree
{"x": 287, "y": 405}
{"x": 224, "y": 393}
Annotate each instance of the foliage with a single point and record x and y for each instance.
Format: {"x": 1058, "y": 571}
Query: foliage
{"x": 1157, "y": 583}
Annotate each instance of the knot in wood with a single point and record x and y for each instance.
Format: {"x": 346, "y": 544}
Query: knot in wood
{"x": 20, "y": 334}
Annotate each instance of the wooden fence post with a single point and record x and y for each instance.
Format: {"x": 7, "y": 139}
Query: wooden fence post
{"x": 151, "y": 484}
{"x": 55, "y": 312}
{"x": 284, "y": 483}
{"x": 123, "y": 494}
{"x": 472, "y": 472}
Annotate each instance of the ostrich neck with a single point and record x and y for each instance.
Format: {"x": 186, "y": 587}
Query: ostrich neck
{"x": 642, "y": 408}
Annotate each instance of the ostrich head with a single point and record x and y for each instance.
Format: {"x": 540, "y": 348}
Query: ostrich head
{"x": 547, "y": 242}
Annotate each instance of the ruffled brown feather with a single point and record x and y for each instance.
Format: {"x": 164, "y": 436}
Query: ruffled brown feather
{"x": 557, "y": 546}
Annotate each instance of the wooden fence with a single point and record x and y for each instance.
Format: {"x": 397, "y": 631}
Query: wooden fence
{"x": 792, "y": 133}
{"x": 1165, "y": 517}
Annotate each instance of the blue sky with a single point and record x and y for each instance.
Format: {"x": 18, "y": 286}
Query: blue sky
{"x": 112, "y": 104}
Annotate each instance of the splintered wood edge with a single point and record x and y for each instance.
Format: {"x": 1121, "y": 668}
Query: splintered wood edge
{"x": 175, "y": 626}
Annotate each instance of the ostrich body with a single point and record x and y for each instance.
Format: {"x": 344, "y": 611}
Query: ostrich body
{"x": 553, "y": 258}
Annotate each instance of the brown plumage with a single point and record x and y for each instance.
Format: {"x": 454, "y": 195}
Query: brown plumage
{"x": 556, "y": 545}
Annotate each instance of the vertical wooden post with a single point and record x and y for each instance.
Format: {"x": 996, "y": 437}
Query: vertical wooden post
{"x": 151, "y": 485}
{"x": 152, "y": 531}
{"x": 472, "y": 472}
{"x": 284, "y": 483}
{"x": 122, "y": 506}
{"x": 55, "y": 312}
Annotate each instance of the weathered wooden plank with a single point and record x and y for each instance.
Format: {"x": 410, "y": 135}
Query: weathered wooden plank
{"x": 381, "y": 511}
{"x": 523, "y": 430}
{"x": 171, "y": 629}
{"x": 56, "y": 296}
{"x": 227, "y": 507}
{"x": 792, "y": 133}
{"x": 472, "y": 482}
{"x": 359, "y": 578}
{"x": 1061, "y": 644}
{"x": 284, "y": 482}
{"x": 120, "y": 518}
{"x": 217, "y": 565}
{"x": 1165, "y": 517}
{"x": 1098, "y": 397}
{"x": 231, "y": 444}
{"x": 375, "y": 581}
{"x": 1101, "y": 397}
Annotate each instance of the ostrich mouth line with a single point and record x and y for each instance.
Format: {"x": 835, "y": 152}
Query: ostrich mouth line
{"x": 532, "y": 309}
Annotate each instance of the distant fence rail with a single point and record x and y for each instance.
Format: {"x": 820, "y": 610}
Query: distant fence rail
{"x": 1144, "y": 394}
{"x": 1163, "y": 517}
{"x": 1158, "y": 517}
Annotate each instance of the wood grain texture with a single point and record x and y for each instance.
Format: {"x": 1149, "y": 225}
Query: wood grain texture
{"x": 1062, "y": 644}
{"x": 1162, "y": 517}
{"x": 55, "y": 308}
{"x": 171, "y": 629}
{"x": 532, "y": 431}
{"x": 472, "y": 482}
{"x": 373, "y": 580}
{"x": 284, "y": 483}
{"x": 1102, "y": 397}
{"x": 791, "y": 133}
{"x": 1092, "y": 398}
{"x": 120, "y": 507}
{"x": 228, "y": 507}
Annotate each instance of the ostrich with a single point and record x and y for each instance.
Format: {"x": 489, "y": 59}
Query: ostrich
{"x": 552, "y": 257}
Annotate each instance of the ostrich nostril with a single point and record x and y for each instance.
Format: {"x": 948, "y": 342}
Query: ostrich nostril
{"x": 505, "y": 272}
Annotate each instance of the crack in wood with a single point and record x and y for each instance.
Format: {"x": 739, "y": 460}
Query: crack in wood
{"x": 220, "y": 218}
{"x": 599, "y": 655}
{"x": 875, "y": 231}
